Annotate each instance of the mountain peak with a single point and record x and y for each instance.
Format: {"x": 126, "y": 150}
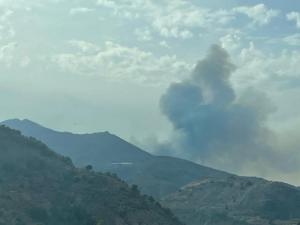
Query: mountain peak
{"x": 156, "y": 175}
{"x": 20, "y": 123}
{"x": 103, "y": 148}
{"x": 17, "y": 120}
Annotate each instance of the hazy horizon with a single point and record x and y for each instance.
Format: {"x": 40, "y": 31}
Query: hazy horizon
{"x": 212, "y": 82}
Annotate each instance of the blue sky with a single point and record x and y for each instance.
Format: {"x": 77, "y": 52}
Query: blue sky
{"x": 96, "y": 65}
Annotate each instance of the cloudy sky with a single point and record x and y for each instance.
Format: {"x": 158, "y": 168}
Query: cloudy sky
{"x": 95, "y": 65}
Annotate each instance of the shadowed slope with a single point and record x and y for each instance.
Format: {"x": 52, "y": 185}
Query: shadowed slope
{"x": 37, "y": 186}
{"x": 156, "y": 176}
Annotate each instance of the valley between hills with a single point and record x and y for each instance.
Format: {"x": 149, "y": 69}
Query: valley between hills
{"x": 192, "y": 193}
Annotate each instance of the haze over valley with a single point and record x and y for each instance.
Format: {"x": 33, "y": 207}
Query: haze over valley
{"x": 145, "y": 112}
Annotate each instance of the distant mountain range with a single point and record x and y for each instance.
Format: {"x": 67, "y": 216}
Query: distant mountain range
{"x": 156, "y": 176}
{"x": 101, "y": 150}
{"x": 40, "y": 187}
{"x": 198, "y": 195}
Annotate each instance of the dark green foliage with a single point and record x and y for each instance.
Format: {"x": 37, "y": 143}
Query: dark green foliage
{"x": 89, "y": 168}
{"x": 38, "y": 214}
{"x": 135, "y": 190}
{"x": 40, "y": 187}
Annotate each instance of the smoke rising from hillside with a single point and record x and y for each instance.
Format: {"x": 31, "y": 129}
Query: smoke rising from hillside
{"x": 213, "y": 125}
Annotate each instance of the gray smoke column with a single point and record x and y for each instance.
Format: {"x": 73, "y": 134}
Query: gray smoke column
{"x": 211, "y": 124}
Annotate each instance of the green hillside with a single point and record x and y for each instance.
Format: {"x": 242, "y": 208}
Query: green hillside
{"x": 39, "y": 187}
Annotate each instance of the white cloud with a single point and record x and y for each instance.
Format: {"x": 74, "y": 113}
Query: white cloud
{"x": 25, "y": 61}
{"x": 294, "y": 16}
{"x": 164, "y": 44}
{"x": 180, "y": 19}
{"x": 124, "y": 8}
{"x": 6, "y": 29}
{"x": 267, "y": 71}
{"x": 84, "y": 46}
{"x": 80, "y": 10}
{"x": 119, "y": 62}
{"x": 176, "y": 18}
{"x": 108, "y": 3}
{"x": 293, "y": 40}
{"x": 143, "y": 34}
{"x": 7, "y": 53}
{"x": 259, "y": 14}
{"x": 231, "y": 41}
{"x": 28, "y": 4}
{"x": 11, "y": 58}
{"x": 5, "y": 14}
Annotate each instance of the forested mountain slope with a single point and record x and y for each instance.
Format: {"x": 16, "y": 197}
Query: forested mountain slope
{"x": 38, "y": 186}
{"x": 155, "y": 175}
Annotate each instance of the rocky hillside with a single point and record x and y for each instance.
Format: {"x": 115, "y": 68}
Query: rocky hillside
{"x": 236, "y": 200}
{"x": 162, "y": 175}
{"x": 39, "y": 187}
{"x": 156, "y": 176}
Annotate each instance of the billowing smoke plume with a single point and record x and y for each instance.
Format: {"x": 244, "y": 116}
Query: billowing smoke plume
{"x": 212, "y": 125}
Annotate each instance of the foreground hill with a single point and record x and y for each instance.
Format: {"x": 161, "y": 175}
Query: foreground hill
{"x": 236, "y": 201}
{"x": 156, "y": 176}
{"x": 39, "y": 187}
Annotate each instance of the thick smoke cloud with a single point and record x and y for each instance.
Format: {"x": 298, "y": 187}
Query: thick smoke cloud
{"x": 212, "y": 125}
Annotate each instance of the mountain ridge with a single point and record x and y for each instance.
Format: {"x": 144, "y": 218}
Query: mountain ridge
{"x": 39, "y": 186}
{"x": 155, "y": 175}
{"x": 236, "y": 200}
{"x": 66, "y": 142}
{"x": 200, "y": 195}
